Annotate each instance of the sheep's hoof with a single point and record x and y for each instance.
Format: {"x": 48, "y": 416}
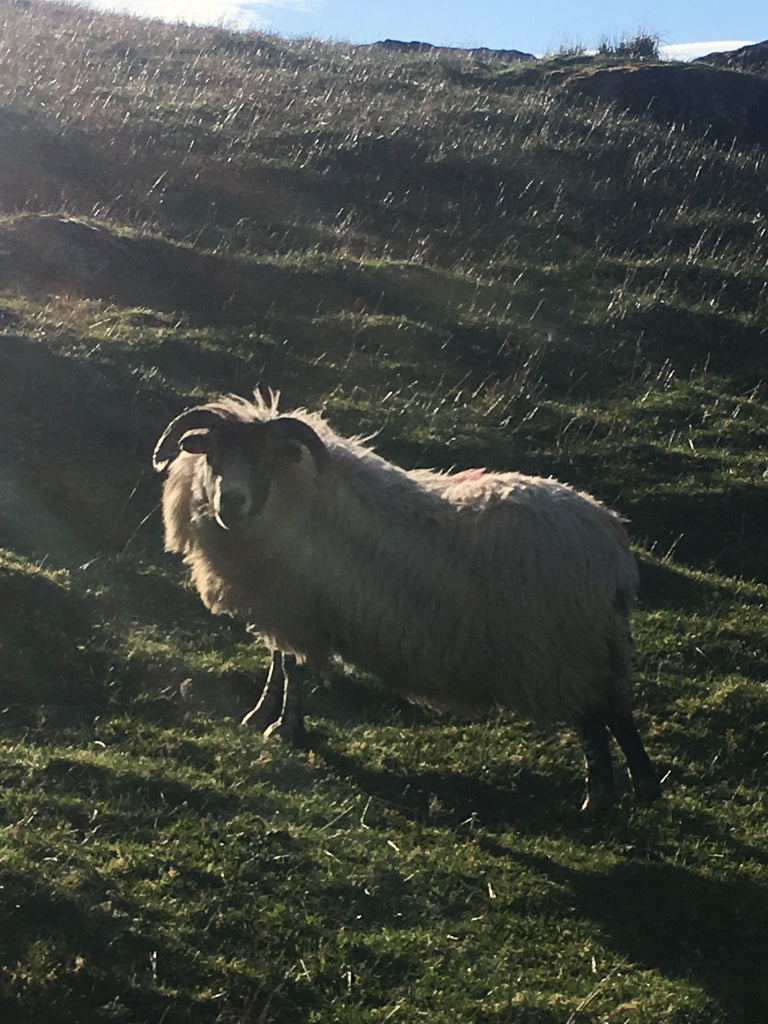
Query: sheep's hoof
{"x": 258, "y": 718}
{"x": 647, "y": 789}
{"x": 290, "y": 730}
{"x": 597, "y": 802}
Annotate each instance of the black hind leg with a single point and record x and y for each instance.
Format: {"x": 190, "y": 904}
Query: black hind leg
{"x": 644, "y": 778}
{"x": 595, "y": 741}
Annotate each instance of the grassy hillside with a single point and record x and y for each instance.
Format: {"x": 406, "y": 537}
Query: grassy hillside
{"x": 488, "y": 262}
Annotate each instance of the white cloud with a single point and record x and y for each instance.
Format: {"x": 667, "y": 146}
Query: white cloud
{"x": 689, "y": 51}
{"x": 242, "y": 14}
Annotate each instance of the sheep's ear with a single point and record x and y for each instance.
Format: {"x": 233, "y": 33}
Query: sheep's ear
{"x": 196, "y": 442}
{"x": 293, "y": 435}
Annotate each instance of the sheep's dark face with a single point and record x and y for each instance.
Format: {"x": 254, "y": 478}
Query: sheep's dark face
{"x": 241, "y": 458}
{"x": 238, "y": 469}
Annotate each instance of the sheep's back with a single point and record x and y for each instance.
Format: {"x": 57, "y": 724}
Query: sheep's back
{"x": 517, "y": 595}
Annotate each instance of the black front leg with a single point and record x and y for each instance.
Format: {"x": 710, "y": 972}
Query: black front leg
{"x": 270, "y": 704}
{"x": 290, "y": 723}
{"x": 595, "y": 741}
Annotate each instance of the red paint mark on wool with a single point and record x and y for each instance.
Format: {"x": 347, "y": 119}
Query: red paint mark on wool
{"x": 466, "y": 475}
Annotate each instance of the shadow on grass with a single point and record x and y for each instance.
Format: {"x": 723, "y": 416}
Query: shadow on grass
{"x": 147, "y": 795}
{"x": 515, "y": 794}
{"x": 448, "y": 798}
{"x": 77, "y": 440}
{"x": 706, "y": 529}
{"x": 68, "y": 960}
{"x": 47, "y": 653}
{"x": 62, "y": 254}
{"x": 95, "y": 957}
{"x": 671, "y": 920}
{"x": 451, "y": 799}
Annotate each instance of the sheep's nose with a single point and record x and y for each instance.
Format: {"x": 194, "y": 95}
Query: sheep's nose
{"x": 233, "y": 506}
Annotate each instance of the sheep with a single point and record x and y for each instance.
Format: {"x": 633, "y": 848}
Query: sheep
{"x": 464, "y": 591}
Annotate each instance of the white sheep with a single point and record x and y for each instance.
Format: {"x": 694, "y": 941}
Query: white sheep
{"x": 466, "y": 591}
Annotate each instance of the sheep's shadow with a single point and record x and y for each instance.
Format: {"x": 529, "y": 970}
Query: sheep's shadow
{"x": 455, "y": 800}
{"x": 440, "y": 796}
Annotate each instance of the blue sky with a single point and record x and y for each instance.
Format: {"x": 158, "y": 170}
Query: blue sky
{"x": 537, "y": 27}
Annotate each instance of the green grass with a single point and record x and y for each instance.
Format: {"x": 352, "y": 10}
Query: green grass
{"x": 482, "y": 267}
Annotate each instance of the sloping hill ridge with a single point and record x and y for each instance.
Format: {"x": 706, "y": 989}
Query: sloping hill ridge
{"x": 753, "y": 58}
{"x": 713, "y": 97}
{"x": 45, "y": 252}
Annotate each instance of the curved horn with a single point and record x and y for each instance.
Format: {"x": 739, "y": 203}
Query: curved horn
{"x": 167, "y": 448}
{"x": 290, "y": 428}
